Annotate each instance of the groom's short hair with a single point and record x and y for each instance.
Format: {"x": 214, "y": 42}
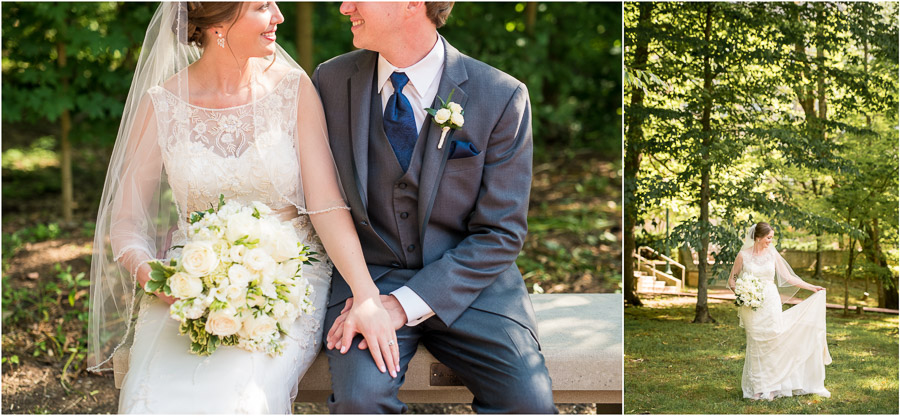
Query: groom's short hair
{"x": 438, "y": 11}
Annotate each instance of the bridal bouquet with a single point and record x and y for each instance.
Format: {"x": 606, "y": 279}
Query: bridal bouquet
{"x": 238, "y": 279}
{"x": 748, "y": 291}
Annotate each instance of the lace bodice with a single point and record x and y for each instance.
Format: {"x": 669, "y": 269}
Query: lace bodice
{"x": 246, "y": 153}
{"x": 760, "y": 265}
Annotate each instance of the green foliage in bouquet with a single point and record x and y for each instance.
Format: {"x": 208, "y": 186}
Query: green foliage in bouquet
{"x": 159, "y": 277}
{"x": 202, "y": 342}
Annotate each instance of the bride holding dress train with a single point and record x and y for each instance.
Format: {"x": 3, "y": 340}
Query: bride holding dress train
{"x": 786, "y": 350}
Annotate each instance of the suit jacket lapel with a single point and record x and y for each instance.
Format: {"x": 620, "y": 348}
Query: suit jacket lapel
{"x": 359, "y": 87}
{"x": 452, "y": 79}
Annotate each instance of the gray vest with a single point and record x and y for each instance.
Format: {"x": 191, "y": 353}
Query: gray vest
{"x": 393, "y": 195}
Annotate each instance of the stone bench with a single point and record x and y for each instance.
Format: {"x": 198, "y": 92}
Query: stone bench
{"x": 581, "y": 339}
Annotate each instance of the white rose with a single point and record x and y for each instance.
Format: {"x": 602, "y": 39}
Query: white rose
{"x": 454, "y": 107}
{"x": 215, "y": 294}
{"x": 199, "y": 258}
{"x": 185, "y": 286}
{"x": 255, "y": 300}
{"x": 279, "y": 241}
{"x": 223, "y": 322}
{"x": 234, "y": 292}
{"x": 279, "y": 310}
{"x": 239, "y": 301}
{"x": 258, "y": 327}
{"x": 442, "y": 115}
{"x": 288, "y": 271}
{"x": 195, "y": 310}
{"x": 240, "y": 225}
{"x": 286, "y": 245}
{"x": 257, "y": 259}
{"x": 239, "y": 275}
{"x": 297, "y": 292}
{"x": 457, "y": 119}
{"x": 269, "y": 290}
{"x": 262, "y": 208}
{"x": 236, "y": 254}
{"x": 290, "y": 315}
{"x": 230, "y": 208}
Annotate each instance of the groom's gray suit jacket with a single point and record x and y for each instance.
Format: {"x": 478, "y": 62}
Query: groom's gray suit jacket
{"x": 454, "y": 238}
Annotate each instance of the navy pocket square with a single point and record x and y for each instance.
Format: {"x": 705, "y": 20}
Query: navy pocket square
{"x": 461, "y": 150}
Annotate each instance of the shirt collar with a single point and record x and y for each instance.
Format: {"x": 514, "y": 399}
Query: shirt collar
{"x": 421, "y": 74}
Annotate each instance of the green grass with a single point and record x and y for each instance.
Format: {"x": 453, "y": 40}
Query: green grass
{"x": 674, "y": 366}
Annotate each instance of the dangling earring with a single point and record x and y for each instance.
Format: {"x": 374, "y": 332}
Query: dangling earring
{"x": 220, "y": 41}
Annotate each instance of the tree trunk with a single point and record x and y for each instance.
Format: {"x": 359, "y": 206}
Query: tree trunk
{"x": 68, "y": 201}
{"x": 818, "y": 274}
{"x": 887, "y": 294}
{"x": 530, "y": 17}
{"x": 305, "y": 36}
{"x": 702, "y": 312}
{"x": 852, "y": 254}
{"x": 635, "y": 134}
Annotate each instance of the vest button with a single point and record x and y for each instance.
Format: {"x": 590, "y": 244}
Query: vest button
{"x": 402, "y": 185}
{"x": 364, "y": 223}
{"x": 411, "y": 248}
{"x": 404, "y": 215}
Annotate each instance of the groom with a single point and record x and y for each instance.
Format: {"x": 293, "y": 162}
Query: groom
{"x": 441, "y": 223}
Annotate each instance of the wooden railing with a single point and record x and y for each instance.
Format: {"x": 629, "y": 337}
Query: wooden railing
{"x": 650, "y": 266}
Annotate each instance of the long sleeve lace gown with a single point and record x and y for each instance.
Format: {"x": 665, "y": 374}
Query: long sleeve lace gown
{"x": 252, "y": 152}
{"x": 786, "y": 350}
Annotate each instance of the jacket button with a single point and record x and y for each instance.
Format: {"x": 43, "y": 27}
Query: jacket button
{"x": 402, "y": 185}
{"x": 395, "y": 264}
{"x": 404, "y": 215}
{"x": 364, "y": 223}
{"x": 411, "y": 248}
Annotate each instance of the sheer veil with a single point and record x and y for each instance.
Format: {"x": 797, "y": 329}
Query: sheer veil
{"x": 786, "y": 280}
{"x": 141, "y": 213}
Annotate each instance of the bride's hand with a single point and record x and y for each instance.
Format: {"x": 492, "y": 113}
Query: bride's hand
{"x": 815, "y": 288}
{"x": 371, "y": 319}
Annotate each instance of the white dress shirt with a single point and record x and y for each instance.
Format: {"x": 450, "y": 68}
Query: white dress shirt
{"x": 424, "y": 79}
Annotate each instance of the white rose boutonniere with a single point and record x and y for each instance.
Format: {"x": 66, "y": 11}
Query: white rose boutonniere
{"x": 448, "y": 116}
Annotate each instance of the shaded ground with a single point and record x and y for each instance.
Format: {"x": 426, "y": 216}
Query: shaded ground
{"x": 674, "y": 366}
{"x": 573, "y": 246}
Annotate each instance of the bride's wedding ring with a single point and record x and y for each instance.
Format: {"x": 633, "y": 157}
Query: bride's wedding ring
{"x": 391, "y": 343}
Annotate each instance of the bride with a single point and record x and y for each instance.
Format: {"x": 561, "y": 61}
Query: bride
{"x": 786, "y": 351}
{"x": 217, "y": 107}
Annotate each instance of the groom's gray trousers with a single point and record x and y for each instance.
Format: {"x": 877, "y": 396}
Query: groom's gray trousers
{"x": 495, "y": 357}
{"x": 450, "y": 228}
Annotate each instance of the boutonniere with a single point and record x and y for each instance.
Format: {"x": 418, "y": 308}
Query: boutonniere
{"x": 449, "y": 116}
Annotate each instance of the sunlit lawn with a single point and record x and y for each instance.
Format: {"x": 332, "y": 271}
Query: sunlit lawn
{"x": 674, "y": 366}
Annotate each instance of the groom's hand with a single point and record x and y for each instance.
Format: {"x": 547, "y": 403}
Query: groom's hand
{"x": 376, "y": 322}
{"x": 391, "y": 304}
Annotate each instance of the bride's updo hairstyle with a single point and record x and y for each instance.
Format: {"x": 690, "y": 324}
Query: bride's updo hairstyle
{"x": 762, "y": 229}
{"x": 203, "y": 14}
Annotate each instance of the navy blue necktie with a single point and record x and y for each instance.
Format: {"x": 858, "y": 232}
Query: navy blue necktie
{"x": 399, "y": 121}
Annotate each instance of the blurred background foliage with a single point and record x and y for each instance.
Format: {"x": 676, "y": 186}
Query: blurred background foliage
{"x": 67, "y": 68}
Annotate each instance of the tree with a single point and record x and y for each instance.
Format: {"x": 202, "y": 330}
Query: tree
{"x": 63, "y": 64}
{"x": 759, "y": 118}
{"x": 633, "y": 136}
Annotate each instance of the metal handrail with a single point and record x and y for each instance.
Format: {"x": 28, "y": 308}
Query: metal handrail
{"x": 671, "y": 261}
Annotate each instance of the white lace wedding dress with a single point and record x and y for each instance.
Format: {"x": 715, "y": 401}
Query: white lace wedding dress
{"x": 205, "y": 153}
{"x": 786, "y": 350}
